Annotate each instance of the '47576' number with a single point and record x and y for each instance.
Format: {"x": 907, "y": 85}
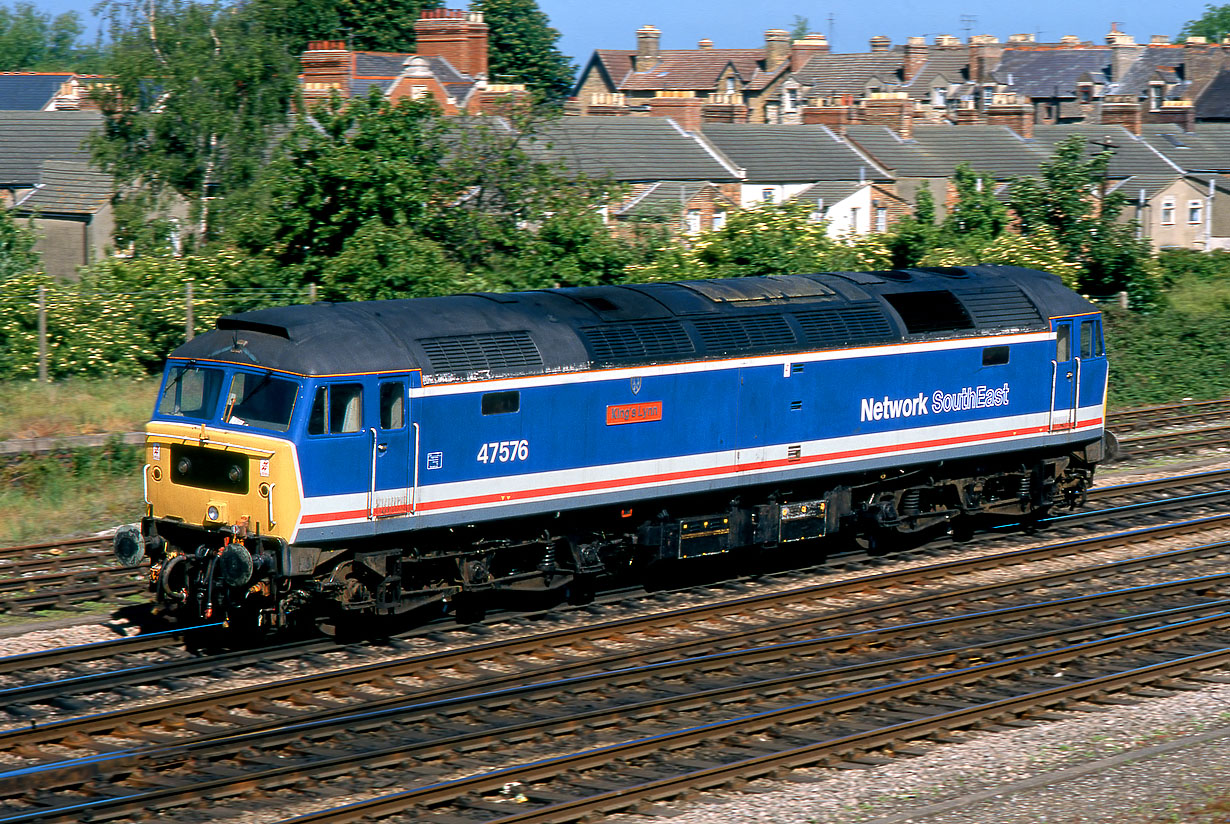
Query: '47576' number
{"x": 504, "y": 451}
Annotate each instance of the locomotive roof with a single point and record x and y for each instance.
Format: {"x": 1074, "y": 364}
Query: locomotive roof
{"x": 484, "y": 335}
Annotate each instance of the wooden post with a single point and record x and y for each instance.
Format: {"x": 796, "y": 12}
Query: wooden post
{"x": 42, "y": 334}
{"x": 311, "y": 293}
{"x": 188, "y": 324}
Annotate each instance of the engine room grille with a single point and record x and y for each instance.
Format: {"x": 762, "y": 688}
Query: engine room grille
{"x": 725, "y": 336}
{"x": 844, "y": 326}
{"x": 1001, "y": 307}
{"x": 638, "y": 341}
{"x": 493, "y": 351}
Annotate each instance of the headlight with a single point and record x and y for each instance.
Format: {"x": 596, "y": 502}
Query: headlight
{"x": 212, "y": 513}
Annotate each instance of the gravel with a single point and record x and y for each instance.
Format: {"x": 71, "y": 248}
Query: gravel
{"x": 1123, "y": 763}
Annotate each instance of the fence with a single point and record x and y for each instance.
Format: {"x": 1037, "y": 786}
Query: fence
{"x": 60, "y": 329}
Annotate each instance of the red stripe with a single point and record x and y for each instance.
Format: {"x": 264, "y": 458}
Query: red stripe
{"x": 590, "y": 486}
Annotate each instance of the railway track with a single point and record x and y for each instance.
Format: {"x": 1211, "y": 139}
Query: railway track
{"x": 1167, "y": 415}
{"x": 94, "y": 677}
{"x": 67, "y": 574}
{"x": 234, "y": 738}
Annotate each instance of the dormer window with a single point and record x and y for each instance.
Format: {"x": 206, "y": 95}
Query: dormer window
{"x": 1156, "y": 93}
{"x": 939, "y": 98}
{"x": 1085, "y": 91}
{"x": 730, "y": 85}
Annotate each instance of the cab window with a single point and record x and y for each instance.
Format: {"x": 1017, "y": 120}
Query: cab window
{"x": 337, "y": 409}
{"x": 392, "y": 405}
{"x": 191, "y": 392}
{"x": 1091, "y": 339}
{"x": 261, "y": 401}
{"x": 1063, "y": 343}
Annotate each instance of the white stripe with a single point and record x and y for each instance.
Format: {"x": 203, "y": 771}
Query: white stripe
{"x": 707, "y": 460}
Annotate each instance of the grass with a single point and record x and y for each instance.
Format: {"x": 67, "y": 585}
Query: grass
{"x": 75, "y": 407}
{"x": 69, "y": 493}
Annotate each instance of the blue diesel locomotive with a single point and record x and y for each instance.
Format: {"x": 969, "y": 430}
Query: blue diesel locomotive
{"x": 337, "y": 459}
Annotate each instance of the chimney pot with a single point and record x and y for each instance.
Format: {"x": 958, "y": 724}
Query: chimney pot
{"x": 776, "y": 48}
{"x": 1159, "y": 40}
{"x": 705, "y": 44}
{"x": 647, "y": 39}
{"x": 880, "y": 43}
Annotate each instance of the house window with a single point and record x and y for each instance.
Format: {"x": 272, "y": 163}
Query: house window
{"x": 1195, "y": 211}
{"x": 691, "y": 222}
{"x": 939, "y": 98}
{"x": 1168, "y": 211}
{"x": 730, "y": 85}
{"x": 719, "y": 219}
{"x": 854, "y": 219}
{"x": 767, "y": 195}
{"x": 881, "y": 219}
{"x": 1086, "y": 93}
{"x": 1155, "y": 97}
{"x": 792, "y": 99}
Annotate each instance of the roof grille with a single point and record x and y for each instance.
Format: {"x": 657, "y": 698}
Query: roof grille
{"x": 930, "y": 312}
{"x": 726, "y": 336}
{"x": 1001, "y": 307}
{"x": 493, "y": 351}
{"x": 844, "y": 326}
{"x": 638, "y": 341}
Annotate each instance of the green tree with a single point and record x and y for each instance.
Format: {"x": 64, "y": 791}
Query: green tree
{"x": 359, "y": 163}
{"x": 912, "y": 237}
{"x": 1213, "y": 24}
{"x": 977, "y": 217}
{"x": 32, "y": 40}
{"x": 17, "y": 255}
{"x": 198, "y": 89}
{"x": 523, "y": 48}
{"x": 376, "y": 199}
{"x": 1070, "y": 199}
{"x": 799, "y": 28}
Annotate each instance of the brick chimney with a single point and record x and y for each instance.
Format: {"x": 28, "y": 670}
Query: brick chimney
{"x": 1013, "y": 111}
{"x": 1201, "y": 63}
{"x": 969, "y": 115}
{"x": 326, "y": 66}
{"x": 1018, "y": 39}
{"x": 880, "y": 43}
{"x": 915, "y": 57}
{"x": 648, "y": 39}
{"x": 1181, "y": 113}
{"x": 985, "y": 52}
{"x": 803, "y": 50}
{"x": 776, "y": 48}
{"x": 836, "y": 116}
{"x": 459, "y": 37}
{"x": 892, "y": 109}
{"x": 1122, "y": 110}
{"x": 1159, "y": 40}
{"x": 1123, "y": 52}
{"x": 686, "y": 111}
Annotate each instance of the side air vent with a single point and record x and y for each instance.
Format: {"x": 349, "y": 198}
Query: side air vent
{"x": 494, "y": 351}
{"x": 1001, "y": 307}
{"x": 638, "y": 341}
{"x": 730, "y": 336}
{"x": 844, "y": 326}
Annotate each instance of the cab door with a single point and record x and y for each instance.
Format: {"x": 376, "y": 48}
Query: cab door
{"x": 392, "y": 449}
{"x": 1065, "y": 370}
